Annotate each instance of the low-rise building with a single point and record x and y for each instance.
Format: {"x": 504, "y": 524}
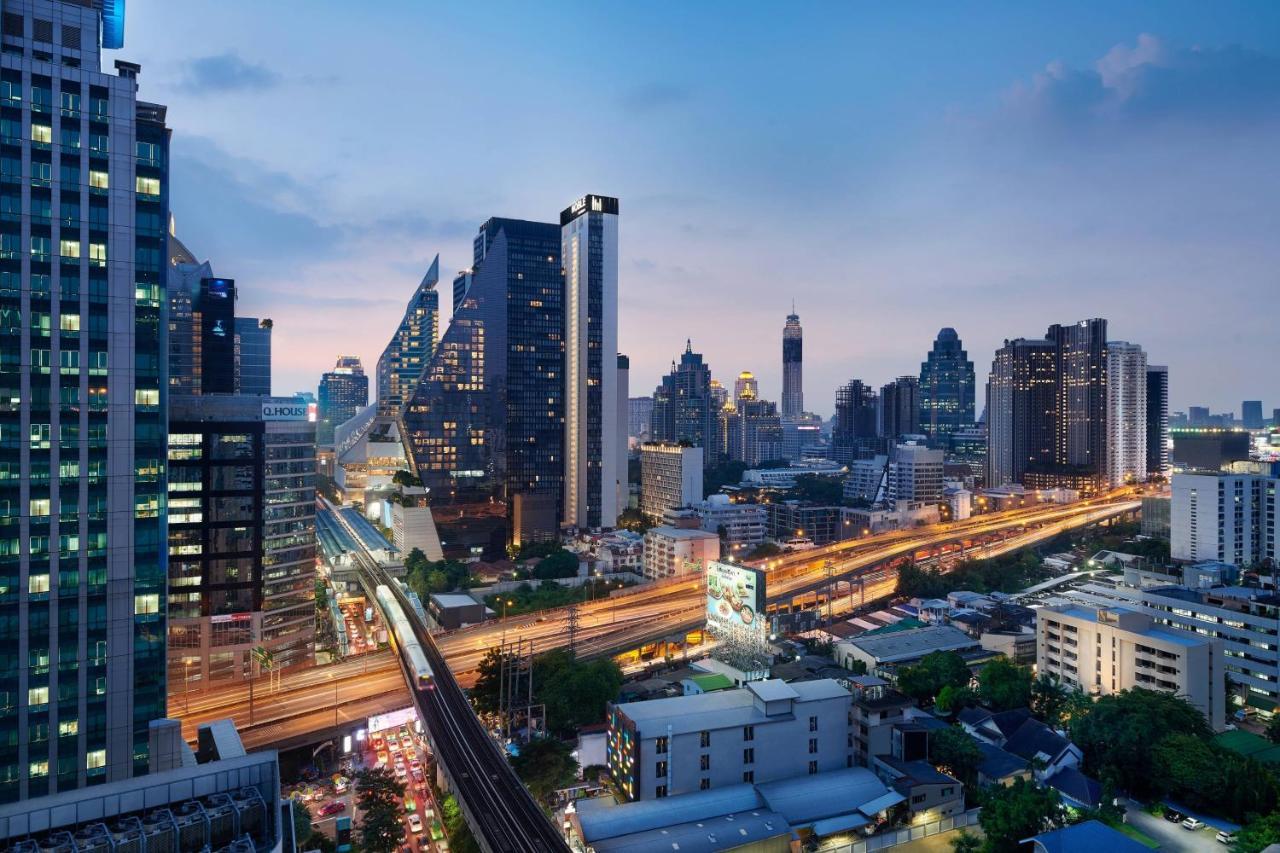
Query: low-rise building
{"x": 1106, "y": 650}
{"x": 1224, "y": 515}
{"x": 412, "y": 526}
{"x": 670, "y": 476}
{"x": 805, "y": 520}
{"x": 455, "y": 610}
{"x": 740, "y": 526}
{"x": 768, "y": 730}
{"x": 674, "y": 551}
{"x": 902, "y": 647}
{"x": 875, "y": 709}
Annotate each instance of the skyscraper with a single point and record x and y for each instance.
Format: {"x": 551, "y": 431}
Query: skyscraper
{"x": 792, "y": 366}
{"x": 640, "y": 411}
{"x": 1020, "y": 410}
{"x": 253, "y": 356}
{"x": 1126, "y": 413}
{"x": 589, "y": 254}
{"x": 410, "y": 349}
{"x": 1157, "y": 420}
{"x": 856, "y": 431}
{"x": 1251, "y": 414}
{"x": 343, "y": 392}
{"x": 487, "y": 420}
{"x": 746, "y": 386}
{"x": 1080, "y": 416}
{"x": 946, "y": 389}
{"x": 683, "y": 408}
{"x": 84, "y": 179}
{"x": 751, "y": 431}
{"x": 900, "y": 409}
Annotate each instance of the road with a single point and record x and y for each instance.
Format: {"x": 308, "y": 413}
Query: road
{"x": 1171, "y": 835}
{"x": 634, "y": 616}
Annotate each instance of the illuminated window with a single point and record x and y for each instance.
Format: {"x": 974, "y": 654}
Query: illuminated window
{"x": 69, "y": 248}
{"x": 95, "y": 759}
{"x": 97, "y": 179}
{"x": 38, "y": 768}
{"x": 146, "y": 397}
{"x": 69, "y": 322}
{"x": 37, "y": 584}
{"x": 39, "y": 508}
{"x": 41, "y": 133}
{"x": 146, "y": 604}
{"x": 148, "y": 186}
{"x": 68, "y": 728}
{"x": 37, "y": 696}
{"x": 98, "y": 254}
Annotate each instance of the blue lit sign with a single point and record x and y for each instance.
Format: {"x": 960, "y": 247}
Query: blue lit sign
{"x": 112, "y": 24}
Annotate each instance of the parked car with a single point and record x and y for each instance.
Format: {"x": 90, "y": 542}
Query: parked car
{"x": 415, "y": 824}
{"x": 1192, "y": 823}
{"x": 1173, "y": 816}
{"x": 333, "y": 808}
{"x": 1226, "y": 837}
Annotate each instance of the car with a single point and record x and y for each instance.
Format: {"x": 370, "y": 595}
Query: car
{"x": 333, "y": 808}
{"x": 415, "y": 823}
{"x": 415, "y": 763}
{"x": 382, "y": 756}
{"x": 1173, "y": 816}
{"x": 1192, "y": 823}
{"x": 417, "y": 775}
{"x": 401, "y": 772}
{"x": 1226, "y": 837}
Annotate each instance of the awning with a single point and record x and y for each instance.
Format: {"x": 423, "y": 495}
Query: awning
{"x": 844, "y": 823}
{"x": 881, "y": 803}
{"x": 1262, "y": 703}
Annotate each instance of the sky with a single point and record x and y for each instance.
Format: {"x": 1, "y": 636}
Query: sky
{"x": 893, "y": 168}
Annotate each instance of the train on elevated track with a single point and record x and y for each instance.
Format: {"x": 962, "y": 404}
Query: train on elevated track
{"x": 406, "y": 641}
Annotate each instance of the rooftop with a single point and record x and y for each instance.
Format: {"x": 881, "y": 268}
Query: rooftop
{"x": 453, "y": 599}
{"x": 913, "y": 643}
{"x": 723, "y": 709}
{"x": 1087, "y": 837}
{"x": 805, "y": 799}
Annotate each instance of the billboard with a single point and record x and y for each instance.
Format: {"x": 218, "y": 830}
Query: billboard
{"x": 735, "y": 600}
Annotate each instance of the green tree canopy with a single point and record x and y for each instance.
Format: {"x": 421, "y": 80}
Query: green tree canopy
{"x": 1018, "y": 811}
{"x": 380, "y": 799}
{"x": 1258, "y": 834}
{"x": 545, "y": 765}
{"x": 935, "y": 671}
{"x": 574, "y": 692}
{"x": 561, "y": 564}
{"x": 1004, "y": 686}
{"x": 955, "y": 753}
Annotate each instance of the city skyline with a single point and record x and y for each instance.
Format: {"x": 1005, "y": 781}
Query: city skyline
{"x": 986, "y": 196}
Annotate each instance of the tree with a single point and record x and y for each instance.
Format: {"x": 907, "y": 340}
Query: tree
{"x": 1116, "y": 734}
{"x": 1003, "y": 685}
{"x": 955, "y": 753}
{"x": 764, "y": 551}
{"x": 545, "y": 765}
{"x": 301, "y": 821}
{"x": 561, "y": 564}
{"x": 455, "y": 826}
{"x": 1018, "y": 811}
{"x": 574, "y": 692}
{"x": 1273, "y": 729}
{"x": 317, "y": 840}
{"x": 1258, "y": 834}
{"x": 485, "y": 692}
{"x": 722, "y": 474}
{"x": 380, "y": 799}
{"x": 952, "y": 699}
{"x": 935, "y": 671}
{"x": 405, "y": 478}
{"x": 1048, "y": 698}
{"x": 966, "y": 842}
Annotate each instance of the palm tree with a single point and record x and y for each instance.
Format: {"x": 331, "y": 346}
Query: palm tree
{"x": 1048, "y": 698}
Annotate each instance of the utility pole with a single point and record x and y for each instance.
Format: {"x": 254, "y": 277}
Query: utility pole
{"x": 571, "y": 624}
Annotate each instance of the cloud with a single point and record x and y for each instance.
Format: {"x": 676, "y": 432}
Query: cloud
{"x": 648, "y": 97}
{"x": 226, "y": 72}
{"x": 1153, "y": 80}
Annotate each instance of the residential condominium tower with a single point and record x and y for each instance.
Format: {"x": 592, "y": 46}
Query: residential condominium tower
{"x": 946, "y": 389}
{"x": 1020, "y": 402}
{"x": 1157, "y": 420}
{"x": 84, "y": 186}
{"x": 410, "y": 349}
{"x": 1126, "y": 413}
{"x": 589, "y": 254}
{"x": 792, "y": 366}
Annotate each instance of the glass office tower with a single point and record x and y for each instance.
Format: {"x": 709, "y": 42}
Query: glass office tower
{"x": 83, "y": 248}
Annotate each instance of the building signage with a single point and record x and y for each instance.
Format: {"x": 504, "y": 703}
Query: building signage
{"x": 589, "y": 204}
{"x": 735, "y": 600}
{"x": 284, "y": 411}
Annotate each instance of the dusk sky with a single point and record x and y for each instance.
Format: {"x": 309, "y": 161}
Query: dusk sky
{"x": 894, "y": 168}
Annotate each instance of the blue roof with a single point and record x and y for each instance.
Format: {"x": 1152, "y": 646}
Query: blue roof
{"x": 1088, "y": 837}
{"x": 603, "y": 818}
{"x": 805, "y": 799}
{"x": 722, "y": 832}
{"x": 998, "y": 764}
{"x": 1076, "y": 787}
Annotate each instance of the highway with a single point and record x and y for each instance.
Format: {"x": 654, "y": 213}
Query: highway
{"x": 633, "y": 617}
{"x": 500, "y": 811}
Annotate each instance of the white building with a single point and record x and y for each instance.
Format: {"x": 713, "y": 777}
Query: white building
{"x": 670, "y": 477}
{"x": 1223, "y": 516}
{"x": 744, "y": 525}
{"x": 1126, "y": 413}
{"x": 866, "y": 476}
{"x": 1105, "y": 650}
{"x": 673, "y": 551}
{"x": 765, "y": 731}
{"x": 591, "y": 409}
{"x": 785, "y": 478}
{"x": 915, "y": 476}
{"x": 414, "y": 527}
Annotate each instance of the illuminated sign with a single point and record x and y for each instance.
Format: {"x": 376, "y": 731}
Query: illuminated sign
{"x": 293, "y": 411}
{"x": 313, "y": 412}
{"x": 113, "y": 24}
{"x": 735, "y": 600}
{"x": 392, "y": 719}
{"x": 589, "y": 204}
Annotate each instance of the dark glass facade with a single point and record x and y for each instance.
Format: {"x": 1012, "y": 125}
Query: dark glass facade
{"x": 1157, "y": 420}
{"x": 856, "y": 431}
{"x": 343, "y": 392}
{"x": 683, "y": 408}
{"x": 216, "y": 315}
{"x": 792, "y": 367}
{"x": 946, "y": 389}
{"x": 900, "y": 408}
{"x": 409, "y": 351}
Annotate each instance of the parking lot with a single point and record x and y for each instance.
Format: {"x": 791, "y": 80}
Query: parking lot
{"x": 1172, "y": 836}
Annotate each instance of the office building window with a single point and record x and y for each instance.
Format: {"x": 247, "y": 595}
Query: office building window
{"x": 660, "y": 791}
{"x": 660, "y": 746}
{"x": 749, "y": 755}
{"x": 813, "y": 724}
{"x": 660, "y": 769}
{"x": 705, "y": 762}
{"x": 813, "y": 768}
{"x": 749, "y": 776}
{"x": 813, "y": 746}
{"x": 705, "y": 739}
{"x": 748, "y": 732}
{"x": 705, "y": 784}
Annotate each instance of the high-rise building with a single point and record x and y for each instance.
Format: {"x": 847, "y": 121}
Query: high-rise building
{"x": 1251, "y": 414}
{"x": 487, "y": 420}
{"x": 670, "y": 477}
{"x": 84, "y": 186}
{"x": 856, "y": 431}
{"x": 746, "y": 386}
{"x": 900, "y": 408}
{"x": 589, "y": 255}
{"x": 751, "y": 430}
{"x": 621, "y": 444}
{"x": 792, "y": 366}
{"x": 409, "y": 351}
{"x": 1020, "y": 406}
{"x": 719, "y": 396}
{"x": 343, "y": 392}
{"x": 1198, "y": 416}
{"x": 915, "y": 476}
{"x": 461, "y": 284}
{"x": 1080, "y": 416}
{"x": 1126, "y": 413}
{"x": 946, "y": 389}
{"x": 213, "y": 336}
{"x": 639, "y": 413}
{"x": 253, "y": 356}
{"x": 1224, "y": 516}
{"x": 683, "y": 408}
{"x": 242, "y": 536}
{"x": 1157, "y": 420}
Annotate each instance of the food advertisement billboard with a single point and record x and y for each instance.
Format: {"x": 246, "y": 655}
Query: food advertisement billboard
{"x": 735, "y": 599}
